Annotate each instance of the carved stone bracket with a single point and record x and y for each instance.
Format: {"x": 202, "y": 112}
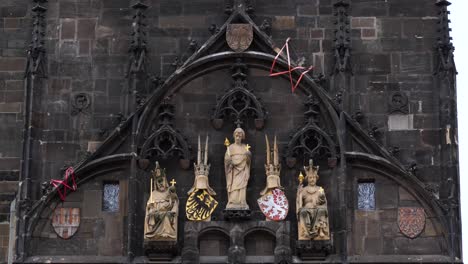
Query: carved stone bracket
{"x": 310, "y": 141}
{"x": 342, "y": 41}
{"x": 160, "y": 250}
{"x": 165, "y": 141}
{"x": 236, "y": 215}
{"x": 239, "y": 103}
{"x": 314, "y": 250}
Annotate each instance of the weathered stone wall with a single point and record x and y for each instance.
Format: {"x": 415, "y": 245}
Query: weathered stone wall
{"x": 87, "y": 41}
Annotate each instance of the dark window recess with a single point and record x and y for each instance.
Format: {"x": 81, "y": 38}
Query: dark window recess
{"x": 366, "y": 196}
{"x": 110, "y": 197}
{"x": 260, "y": 243}
{"x": 214, "y": 243}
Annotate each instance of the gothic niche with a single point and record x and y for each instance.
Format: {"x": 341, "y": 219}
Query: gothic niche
{"x": 165, "y": 141}
{"x": 239, "y": 102}
{"x": 310, "y": 141}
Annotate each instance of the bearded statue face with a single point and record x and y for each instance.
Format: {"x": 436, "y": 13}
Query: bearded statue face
{"x": 160, "y": 184}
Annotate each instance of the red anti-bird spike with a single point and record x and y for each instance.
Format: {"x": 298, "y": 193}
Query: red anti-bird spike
{"x": 290, "y": 70}
{"x": 59, "y": 183}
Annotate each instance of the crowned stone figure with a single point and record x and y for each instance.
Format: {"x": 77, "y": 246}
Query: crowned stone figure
{"x": 311, "y": 207}
{"x": 200, "y": 203}
{"x": 162, "y": 209}
{"x": 237, "y": 169}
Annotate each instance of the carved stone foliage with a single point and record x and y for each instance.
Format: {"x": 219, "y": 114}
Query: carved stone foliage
{"x": 165, "y": 141}
{"x": 342, "y": 39}
{"x": 398, "y": 103}
{"x": 80, "y": 103}
{"x": 239, "y": 103}
{"x": 310, "y": 141}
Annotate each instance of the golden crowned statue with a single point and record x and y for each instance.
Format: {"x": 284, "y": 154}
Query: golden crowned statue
{"x": 200, "y": 203}
{"x": 237, "y": 169}
{"x": 162, "y": 209}
{"x": 311, "y": 207}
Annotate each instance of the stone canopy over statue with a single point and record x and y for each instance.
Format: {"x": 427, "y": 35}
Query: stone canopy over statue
{"x": 237, "y": 168}
{"x": 162, "y": 209}
{"x": 311, "y": 207}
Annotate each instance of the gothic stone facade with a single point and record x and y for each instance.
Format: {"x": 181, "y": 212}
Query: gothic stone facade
{"x": 89, "y": 84}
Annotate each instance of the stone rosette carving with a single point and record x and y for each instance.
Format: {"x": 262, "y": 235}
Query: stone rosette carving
{"x": 411, "y": 221}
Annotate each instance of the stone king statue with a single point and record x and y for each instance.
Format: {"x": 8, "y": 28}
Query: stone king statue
{"x": 311, "y": 207}
{"x": 237, "y": 168}
{"x": 162, "y": 209}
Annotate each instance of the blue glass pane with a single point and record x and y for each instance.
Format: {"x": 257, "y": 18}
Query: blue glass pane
{"x": 366, "y": 196}
{"x": 110, "y": 198}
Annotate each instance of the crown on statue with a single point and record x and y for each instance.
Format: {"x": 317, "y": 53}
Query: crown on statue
{"x": 272, "y": 166}
{"x": 202, "y": 167}
{"x": 272, "y": 169}
{"x": 311, "y": 170}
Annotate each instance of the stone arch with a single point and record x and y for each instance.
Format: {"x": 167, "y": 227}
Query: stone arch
{"x": 383, "y": 168}
{"x": 260, "y": 242}
{"x": 213, "y": 242}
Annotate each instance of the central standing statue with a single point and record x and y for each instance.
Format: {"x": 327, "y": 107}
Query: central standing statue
{"x": 237, "y": 168}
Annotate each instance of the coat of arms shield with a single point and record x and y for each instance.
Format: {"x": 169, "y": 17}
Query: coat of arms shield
{"x": 274, "y": 205}
{"x": 411, "y": 221}
{"x": 239, "y": 36}
{"x": 200, "y": 205}
{"x": 66, "y": 221}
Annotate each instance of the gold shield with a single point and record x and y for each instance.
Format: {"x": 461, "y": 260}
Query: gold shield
{"x": 200, "y": 205}
{"x": 239, "y": 36}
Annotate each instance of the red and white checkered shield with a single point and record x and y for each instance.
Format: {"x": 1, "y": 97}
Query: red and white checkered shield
{"x": 66, "y": 221}
{"x": 274, "y": 205}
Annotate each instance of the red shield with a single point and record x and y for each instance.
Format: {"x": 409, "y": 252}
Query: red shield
{"x": 274, "y": 205}
{"x": 411, "y": 221}
{"x": 66, "y": 221}
{"x": 239, "y": 36}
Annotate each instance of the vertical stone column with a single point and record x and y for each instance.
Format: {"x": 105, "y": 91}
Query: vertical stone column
{"x": 445, "y": 78}
{"x": 136, "y": 74}
{"x": 341, "y": 85}
{"x": 34, "y": 74}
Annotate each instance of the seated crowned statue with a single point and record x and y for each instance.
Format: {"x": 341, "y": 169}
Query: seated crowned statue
{"x": 311, "y": 206}
{"x": 161, "y": 209}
